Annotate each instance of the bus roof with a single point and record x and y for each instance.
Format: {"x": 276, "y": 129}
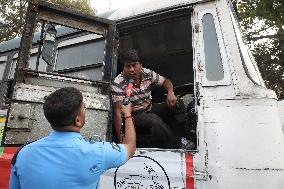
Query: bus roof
{"x": 149, "y": 6}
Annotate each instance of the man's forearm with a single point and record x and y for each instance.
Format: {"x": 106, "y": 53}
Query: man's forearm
{"x": 117, "y": 125}
{"x": 171, "y": 98}
{"x": 130, "y": 136}
{"x": 168, "y": 85}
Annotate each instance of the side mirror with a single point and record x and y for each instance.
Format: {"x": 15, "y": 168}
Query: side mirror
{"x": 48, "y": 50}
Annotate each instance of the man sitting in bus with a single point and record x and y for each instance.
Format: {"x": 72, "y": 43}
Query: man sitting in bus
{"x": 145, "y": 113}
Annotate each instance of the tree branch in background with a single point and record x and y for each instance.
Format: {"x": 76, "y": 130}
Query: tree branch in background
{"x": 250, "y": 38}
{"x": 12, "y": 14}
{"x": 268, "y": 47}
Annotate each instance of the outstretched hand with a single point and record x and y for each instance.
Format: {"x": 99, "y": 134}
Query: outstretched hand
{"x": 171, "y": 99}
{"x": 126, "y": 110}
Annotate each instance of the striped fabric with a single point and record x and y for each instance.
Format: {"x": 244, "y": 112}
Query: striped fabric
{"x": 141, "y": 97}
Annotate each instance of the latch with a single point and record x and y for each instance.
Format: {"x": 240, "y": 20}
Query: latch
{"x": 196, "y": 28}
{"x": 200, "y": 175}
{"x": 200, "y": 66}
{"x": 22, "y": 117}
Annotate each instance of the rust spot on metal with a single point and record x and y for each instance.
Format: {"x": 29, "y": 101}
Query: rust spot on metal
{"x": 34, "y": 6}
{"x": 259, "y": 169}
{"x": 196, "y": 28}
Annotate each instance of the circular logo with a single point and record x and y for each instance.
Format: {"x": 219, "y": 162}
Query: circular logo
{"x": 141, "y": 172}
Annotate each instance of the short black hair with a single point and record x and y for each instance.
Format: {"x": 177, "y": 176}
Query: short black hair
{"x": 62, "y": 106}
{"x": 129, "y": 55}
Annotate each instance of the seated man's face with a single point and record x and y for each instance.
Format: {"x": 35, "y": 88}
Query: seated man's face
{"x": 132, "y": 70}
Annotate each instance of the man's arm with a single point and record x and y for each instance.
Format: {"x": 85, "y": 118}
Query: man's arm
{"x": 117, "y": 119}
{"x": 130, "y": 135}
{"x": 115, "y": 155}
{"x": 171, "y": 98}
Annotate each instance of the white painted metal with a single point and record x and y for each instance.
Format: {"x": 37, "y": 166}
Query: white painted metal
{"x": 244, "y": 142}
{"x": 281, "y": 112}
{"x": 35, "y": 93}
{"x": 240, "y": 140}
{"x": 149, "y": 6}
{"x": 148, "y": 168}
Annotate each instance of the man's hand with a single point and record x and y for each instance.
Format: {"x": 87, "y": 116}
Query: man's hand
{"x": 126, "y": 110}
{"x": 171, "y": 99}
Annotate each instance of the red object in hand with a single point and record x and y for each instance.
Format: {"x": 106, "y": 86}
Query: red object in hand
{"x": 128, "y": 92}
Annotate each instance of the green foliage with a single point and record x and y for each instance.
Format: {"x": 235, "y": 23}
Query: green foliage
{"x": 80, "y": 5}
{"x": 263, "y": 26}
{"x": 12, "y": 14}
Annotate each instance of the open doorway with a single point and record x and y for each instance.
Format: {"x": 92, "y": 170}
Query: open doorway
{"x": 165, "y": 46}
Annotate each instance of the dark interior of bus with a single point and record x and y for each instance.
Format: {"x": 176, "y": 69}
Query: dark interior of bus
{"x": 165, "y": 46}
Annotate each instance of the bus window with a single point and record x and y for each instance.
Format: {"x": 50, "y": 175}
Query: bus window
{"x": 32, "y": 63}
{"x": 3, "y": 61}
{"x": 82, "y": 57}
{"x": 213, "y": 61}
{"x": 81, "y": 54}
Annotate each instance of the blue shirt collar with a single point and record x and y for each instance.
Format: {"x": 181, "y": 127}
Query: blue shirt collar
{"x": 65, "y": 134}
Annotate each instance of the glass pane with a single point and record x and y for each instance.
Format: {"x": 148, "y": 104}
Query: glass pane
{"x": 213, "y": 61}
{"x": 2, "y": 69}
{"x": 48, "y": 51}
{"x": 80, "y": 55}
{"x": 32, "y": 63}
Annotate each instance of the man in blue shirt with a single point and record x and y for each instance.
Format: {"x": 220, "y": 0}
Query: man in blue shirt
{"x": 64, "y": 159}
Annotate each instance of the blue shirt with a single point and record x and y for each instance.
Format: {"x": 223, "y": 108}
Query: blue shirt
{"x": 64, "y": 160}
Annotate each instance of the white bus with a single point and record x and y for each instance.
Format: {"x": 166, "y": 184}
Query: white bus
{"x": 230, "y": 120}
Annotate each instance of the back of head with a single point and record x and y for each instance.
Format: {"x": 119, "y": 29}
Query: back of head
{"x": 62, "y": 106}
{"x": 129, "y": 55}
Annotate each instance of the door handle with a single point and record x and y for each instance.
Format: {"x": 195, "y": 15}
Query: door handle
{"x": 23, "y": 117}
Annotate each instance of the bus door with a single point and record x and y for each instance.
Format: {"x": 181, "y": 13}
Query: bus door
{"x": 72, "y": 50}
